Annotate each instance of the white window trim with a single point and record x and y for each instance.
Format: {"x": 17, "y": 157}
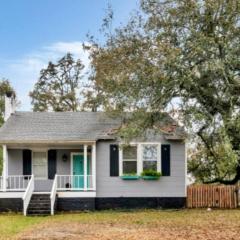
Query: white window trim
{"x": 158, "y": 154}
{"x": 139, "y": 156}
{"x": 128, "y": 160}
{"x": 40, "y": 151}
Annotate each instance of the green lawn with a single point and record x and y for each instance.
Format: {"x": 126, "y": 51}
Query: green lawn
{"x": 144, "y": 224}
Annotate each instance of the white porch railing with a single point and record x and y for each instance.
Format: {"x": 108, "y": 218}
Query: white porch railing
{"x": 17, "y": 182}
{"x": 53, "y": 194}
{"x": 75, "y": 182}
{"x": 28, "y": 194}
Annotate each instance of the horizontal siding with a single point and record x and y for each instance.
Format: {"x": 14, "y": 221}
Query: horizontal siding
{"x": 15, "y": 162}
{"x": 171, "y": 186}
{"x": 15, "y": 166}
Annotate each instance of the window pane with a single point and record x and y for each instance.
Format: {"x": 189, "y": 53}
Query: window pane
{"x": 129, "y": 167}
{"x": 130, "y": 152}
{"x": 150, "y": 152}
{"x": 147, "y": 165}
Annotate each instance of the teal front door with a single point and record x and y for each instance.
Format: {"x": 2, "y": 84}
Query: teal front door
{"x": 78, "y": 171}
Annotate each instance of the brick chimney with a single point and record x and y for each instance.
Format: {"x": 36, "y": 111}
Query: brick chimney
{"x": 10, "y": 105}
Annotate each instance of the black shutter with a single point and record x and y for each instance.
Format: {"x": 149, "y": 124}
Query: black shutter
{"x": 27, "y": 162}
{"x": 165, "y": 152}
{"x": 114, "y": 160}
{"x": 52, "y": 163}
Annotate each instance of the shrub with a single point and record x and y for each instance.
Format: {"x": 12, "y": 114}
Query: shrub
{"x": 151, "y": 173}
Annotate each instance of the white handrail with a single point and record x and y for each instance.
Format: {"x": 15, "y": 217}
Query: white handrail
{"x": 28, "y": 194}
{"x": 53, "y": 194}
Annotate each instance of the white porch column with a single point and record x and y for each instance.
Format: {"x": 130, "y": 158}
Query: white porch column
{"x": 5, "y": 167}
{"x": 85, "y": 167}
{"x": 120, "y": 161}
{"x": 94, "y": 166}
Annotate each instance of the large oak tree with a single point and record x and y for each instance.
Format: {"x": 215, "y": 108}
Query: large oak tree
{"x": 185, "y": 54}
{"x": 58, "y": 86}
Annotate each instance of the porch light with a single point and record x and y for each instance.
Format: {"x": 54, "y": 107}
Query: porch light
{"x": 64, "y": 157}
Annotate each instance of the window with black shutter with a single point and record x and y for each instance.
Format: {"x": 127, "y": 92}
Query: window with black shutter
{"x": 114, "y": 160}
{"x": 52, "y": 163}
{"x": 165, "y": 159}
{"x": 27, "y": 162}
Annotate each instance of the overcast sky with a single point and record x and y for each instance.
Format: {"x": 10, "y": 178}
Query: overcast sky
{"x": 34, "y": 32}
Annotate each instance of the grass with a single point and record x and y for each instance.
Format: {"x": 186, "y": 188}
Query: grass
{"x": 141, "y": 224}
{"x": 11, "y": 224}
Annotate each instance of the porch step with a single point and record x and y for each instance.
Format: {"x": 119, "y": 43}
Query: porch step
{"x": 41, "y": 196}
{"x": 40, "y": 205}
{"x": 44, "y": 201}
{"x": 39, "y": 212}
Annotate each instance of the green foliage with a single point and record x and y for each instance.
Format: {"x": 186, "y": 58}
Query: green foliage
{"x": 177, "y": 56}
{"x": 151, "y": 173}
{"x": 206, "y": 167}
{"x": 5, "y": 87}
{"x": 58, "y": 86}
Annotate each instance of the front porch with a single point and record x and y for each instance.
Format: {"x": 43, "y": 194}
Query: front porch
{"x": 65, "y": 183}
{"x": 65, "y": 171}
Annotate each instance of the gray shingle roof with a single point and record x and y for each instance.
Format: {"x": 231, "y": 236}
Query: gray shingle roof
{"x": 57, "y": 126}
{"x": 53, "y": 127}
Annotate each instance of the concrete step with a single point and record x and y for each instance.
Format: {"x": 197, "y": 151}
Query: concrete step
{"x": 37, "y": 215}
{"x": 40, "y": 200}
{"x": 40, "y": 205}
{"x": 37, "y": 207}
{"x": 37, "y": 203}
{"x": 39, "y": 211}
{"x": 40, "y": 197}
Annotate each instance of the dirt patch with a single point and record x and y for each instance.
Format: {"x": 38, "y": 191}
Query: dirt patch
{"x": 97, "y": 231}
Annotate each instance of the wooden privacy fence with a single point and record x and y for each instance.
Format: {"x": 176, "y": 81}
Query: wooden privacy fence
{"x": 215, "y": 196}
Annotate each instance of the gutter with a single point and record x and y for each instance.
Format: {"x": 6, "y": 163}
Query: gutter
{"x": 46, "y": 141}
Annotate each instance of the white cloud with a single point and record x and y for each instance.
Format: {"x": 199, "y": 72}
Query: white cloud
{"x": 62, "y": 47}
{"x": 24, "y": 72}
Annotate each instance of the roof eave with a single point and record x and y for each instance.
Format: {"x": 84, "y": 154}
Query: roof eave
{"x": 4, "y": 142}
{"x": 175, "y": 137}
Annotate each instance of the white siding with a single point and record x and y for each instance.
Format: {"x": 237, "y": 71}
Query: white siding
{"x": 172, "y": 186}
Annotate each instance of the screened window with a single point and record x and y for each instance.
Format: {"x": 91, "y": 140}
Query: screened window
{"x": 130, "y": 160}
{"x": 39, "y": 165}
{"x": 150, "y": 157}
